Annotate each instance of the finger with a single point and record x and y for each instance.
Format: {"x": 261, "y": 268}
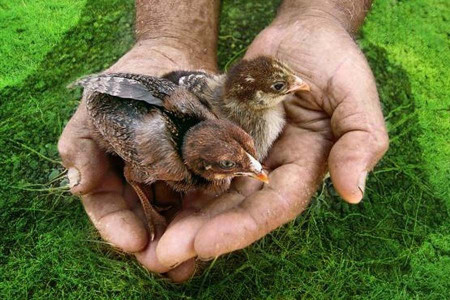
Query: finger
{"x": 112, "y": 215}
{"x": 86, "y": 162}
{"x": 115, "y": 222}
{"x": 124, "y": 229}
{"x": 183, "y": 272}
{"x": 358, "y": 124}
{"x": 299, "y": 164}
{"x": 149, "y": 260}
{"x": 177, "y": 243}
{"x": 147, "y": 257}
{"x": 100, "y": 186}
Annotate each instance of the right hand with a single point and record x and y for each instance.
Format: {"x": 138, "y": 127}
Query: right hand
{"x": 337, "y": 125}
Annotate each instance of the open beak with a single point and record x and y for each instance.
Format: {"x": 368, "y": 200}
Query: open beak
{"x": 299, "y": 85}
{"x": 256, "y": 170}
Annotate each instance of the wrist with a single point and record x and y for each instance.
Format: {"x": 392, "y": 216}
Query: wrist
{"x": 286, "y": 31}
{"x": 157, "y": 56}
{"x": 346, "y": 14}
{"x": 173, "y": 35}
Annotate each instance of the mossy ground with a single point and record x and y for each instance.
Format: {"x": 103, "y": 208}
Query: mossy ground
{"x": 395, "y": 245}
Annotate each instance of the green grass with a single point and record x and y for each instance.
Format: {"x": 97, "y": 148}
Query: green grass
{"x": 395, "y": 245}
{"x": 423, "y": 51}
{"x": 25, "y": 39}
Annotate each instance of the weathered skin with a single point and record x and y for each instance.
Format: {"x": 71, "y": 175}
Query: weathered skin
{"x": 339, "y": 125}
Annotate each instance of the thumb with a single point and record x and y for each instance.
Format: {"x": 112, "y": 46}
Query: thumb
{"x": 358, "y": 124}
{"x": 86, "y": 162}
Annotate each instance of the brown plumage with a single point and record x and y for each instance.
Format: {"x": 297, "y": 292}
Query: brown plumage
{"x": 163, "y": 132}
{"x": 249, "y": 94}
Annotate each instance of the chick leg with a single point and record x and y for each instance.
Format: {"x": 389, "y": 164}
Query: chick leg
{"x": 151, "y": 215}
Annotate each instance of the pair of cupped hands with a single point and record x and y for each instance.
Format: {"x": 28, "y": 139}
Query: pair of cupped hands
{"x": 337, "y": 127}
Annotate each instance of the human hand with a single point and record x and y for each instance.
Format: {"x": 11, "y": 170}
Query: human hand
{"x": 337, "y": 126}
{"x": 109, "y": 201}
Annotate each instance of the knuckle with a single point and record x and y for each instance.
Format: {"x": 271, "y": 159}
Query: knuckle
{"x": 63, "y": 147}
{"x": 381, "y": 140}
{"x": 66, "y": 149}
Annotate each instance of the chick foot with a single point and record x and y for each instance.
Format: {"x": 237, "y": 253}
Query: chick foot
{"x": 152, "y": 216}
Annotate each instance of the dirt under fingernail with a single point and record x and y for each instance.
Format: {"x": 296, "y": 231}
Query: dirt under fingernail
{"x": 74, "y": 177}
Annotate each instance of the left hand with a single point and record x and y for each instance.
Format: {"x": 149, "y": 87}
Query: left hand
{"x": 337, "y": 126}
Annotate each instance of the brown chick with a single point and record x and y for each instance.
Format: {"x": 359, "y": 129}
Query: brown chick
{"x": 163, "y": 132}
{"x": 249, "y": 94}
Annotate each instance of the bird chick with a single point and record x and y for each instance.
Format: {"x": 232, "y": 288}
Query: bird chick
{"x": 163, "y": 132}
{"x": 218, "y": 150}
{"x": 250, "y": 94}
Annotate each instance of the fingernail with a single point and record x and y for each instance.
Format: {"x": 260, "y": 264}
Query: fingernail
{"x": 206, "y": 258}
{"x": 74, "y": 177}
{"x": 362, "y": 182}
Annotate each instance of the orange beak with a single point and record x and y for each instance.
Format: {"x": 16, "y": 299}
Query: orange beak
{"x": 256, "y": 170}
{"x": 299, "y": 85}
{"x": 262, "y": 177}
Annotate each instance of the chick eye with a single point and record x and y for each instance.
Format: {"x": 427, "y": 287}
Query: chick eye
{"x": 278, "y": 86}
{"x": 226, "y": 164}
